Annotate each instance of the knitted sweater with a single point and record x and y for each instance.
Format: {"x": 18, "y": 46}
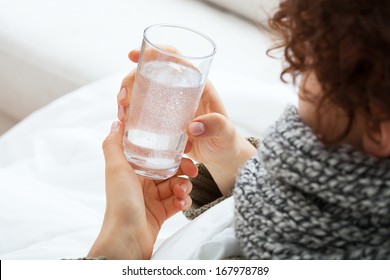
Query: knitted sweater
{"x": 297, "y": 199}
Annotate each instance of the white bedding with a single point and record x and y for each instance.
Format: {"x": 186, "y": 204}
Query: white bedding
{"x": 51, "y": 164}
{"x": 209, "y": 236}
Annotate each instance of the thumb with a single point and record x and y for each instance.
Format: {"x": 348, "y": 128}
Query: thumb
{"x": 210, "y": 125}
{"x": 112, "y": 145}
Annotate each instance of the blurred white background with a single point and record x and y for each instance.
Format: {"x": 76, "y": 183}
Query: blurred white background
{"x": 51, "y": 47}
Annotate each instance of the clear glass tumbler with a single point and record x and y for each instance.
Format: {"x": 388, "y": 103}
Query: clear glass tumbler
{"x": 172, "y": 70}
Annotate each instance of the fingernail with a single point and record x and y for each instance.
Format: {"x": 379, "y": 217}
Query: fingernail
{"x": 184, "y": 187}
{"x": 196, "y": 128}
{"x": 121, "y": 112}
{"x": 122, "y": 94}
{"x": 183, "y": 202}
{"x": 114, "y": 126}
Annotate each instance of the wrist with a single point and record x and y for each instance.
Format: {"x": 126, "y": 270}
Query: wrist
{"x": 224, "y": 173}
{"x": 116, "y": 243}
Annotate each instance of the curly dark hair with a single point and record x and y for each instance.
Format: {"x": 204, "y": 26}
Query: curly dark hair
{"x": 346, "y": 43}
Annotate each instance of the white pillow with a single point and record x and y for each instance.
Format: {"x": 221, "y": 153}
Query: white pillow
{"x": 255, "y": 10}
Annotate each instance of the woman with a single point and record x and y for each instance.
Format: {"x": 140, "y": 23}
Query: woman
{"x": 318, "y": 187}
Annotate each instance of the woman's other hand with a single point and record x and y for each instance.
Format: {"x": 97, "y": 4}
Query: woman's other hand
{"x": 136, "y": 207}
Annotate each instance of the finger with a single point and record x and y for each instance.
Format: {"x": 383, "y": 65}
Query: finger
{"x": 174, "y": 204}
{"x": 113, "y": 148}
{"x": 162, "y": 52}
{"x": 212, "y": 125}
{"x": 181, "y": 204}
{"x": 182, "y": 190}
{"x": 151, "y": 53}
{"x": 122, "y": 113}
{"x": 124, "y": 94}
{"x": 166, "y": 188}
{"x": 122, "y": 110}
{"x": 210, "y": 102}
{"x": 188, "y": 147}
{"x": 187, "y": 168}
{"x": 134, "y": 55}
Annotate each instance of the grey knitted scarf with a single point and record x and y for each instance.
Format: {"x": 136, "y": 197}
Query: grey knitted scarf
{"x": 297, "y": 199}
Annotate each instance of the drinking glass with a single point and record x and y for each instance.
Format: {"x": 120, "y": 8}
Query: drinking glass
{"x": 172, "y": 71}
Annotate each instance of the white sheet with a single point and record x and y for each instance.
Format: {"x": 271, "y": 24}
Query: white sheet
{"x": 51, "y": 174}
{"x": 209, "y": 236}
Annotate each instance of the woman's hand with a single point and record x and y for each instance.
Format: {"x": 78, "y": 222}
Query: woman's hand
{"x": 136, "y": 207}
{"x": 213, "y": 139}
